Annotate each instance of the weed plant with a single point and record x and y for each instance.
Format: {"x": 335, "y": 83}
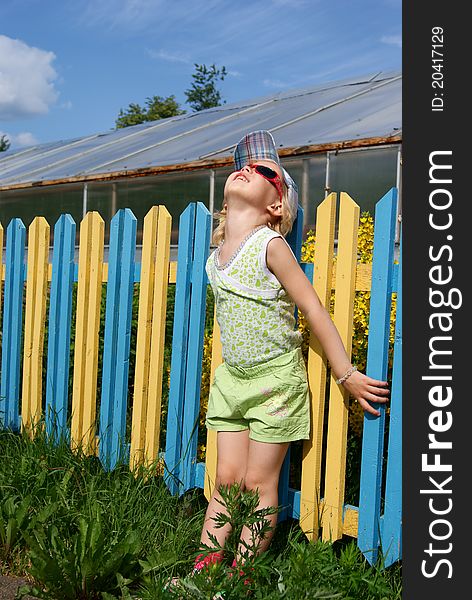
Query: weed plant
{"x": 77, "y": 531}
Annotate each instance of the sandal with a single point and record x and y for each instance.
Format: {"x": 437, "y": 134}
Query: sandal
{"x": 201, "y": 562}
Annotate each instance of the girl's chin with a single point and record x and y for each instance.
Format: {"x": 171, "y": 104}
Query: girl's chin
{"x": 238, "y": 184}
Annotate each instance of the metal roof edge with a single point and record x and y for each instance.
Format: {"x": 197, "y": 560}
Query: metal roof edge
{"x": 208, "y": 164}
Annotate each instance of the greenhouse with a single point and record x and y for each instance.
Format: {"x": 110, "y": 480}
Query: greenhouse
{"x": 337, "y": 136}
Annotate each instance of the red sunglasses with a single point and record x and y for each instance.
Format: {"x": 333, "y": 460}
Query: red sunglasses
{"x": 272, "y": 177}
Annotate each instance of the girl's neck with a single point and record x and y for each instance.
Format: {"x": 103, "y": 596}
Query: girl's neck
{"x": 240, "y": 223}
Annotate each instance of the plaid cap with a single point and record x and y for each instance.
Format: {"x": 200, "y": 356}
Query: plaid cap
{"x": 260, "y": 145}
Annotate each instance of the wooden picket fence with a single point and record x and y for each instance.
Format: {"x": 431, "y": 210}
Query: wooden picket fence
{"x": 376, "y": 522}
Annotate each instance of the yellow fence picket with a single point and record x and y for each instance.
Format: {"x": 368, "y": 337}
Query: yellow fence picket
{"x": 312, "y": 448}
{"x": 35, "y": 315}
{"x": 145, "y": 429}
{"x": 211, "y": 452}
{"x": 89, "y": 291}
{"x": 332, "y": 519}
{"x": 161, "y": 279}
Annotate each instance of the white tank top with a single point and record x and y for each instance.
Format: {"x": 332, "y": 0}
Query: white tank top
{"x": 254, "y": 312}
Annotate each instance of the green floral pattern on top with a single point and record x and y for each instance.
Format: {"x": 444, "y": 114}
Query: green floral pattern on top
{"x": 254, "y": 312}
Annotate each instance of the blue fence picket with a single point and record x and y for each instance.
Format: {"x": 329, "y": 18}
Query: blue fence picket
{"x": 12, "y": 325}
{"x": 193, "y": 376}
{"x": 179, "y": 347}
{"x": 391, "y": 538}
{"x": 295, "y": 237}
{"x": 294, "y": 240}
{"x": 377, "y": 364}
{"x": 117, "y": 338}
{"x": 59, "y": 328}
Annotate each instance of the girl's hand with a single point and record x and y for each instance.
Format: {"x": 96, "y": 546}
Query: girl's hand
{"x": 366, "y": 390}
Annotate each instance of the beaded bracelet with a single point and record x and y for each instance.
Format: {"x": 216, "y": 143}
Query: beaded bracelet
{"x": 346, "y": 375}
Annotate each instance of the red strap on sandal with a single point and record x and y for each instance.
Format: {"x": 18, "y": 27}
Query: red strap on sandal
{"x": 202, "y": 561}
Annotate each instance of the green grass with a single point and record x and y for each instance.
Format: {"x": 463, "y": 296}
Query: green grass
{"x": 77, "y": 531}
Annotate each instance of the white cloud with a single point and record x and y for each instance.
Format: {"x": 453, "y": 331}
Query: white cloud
{"x": 131, "y": 14}
{"x": 26, "y": 80}
{"x": 19, "y": 140}
{"x": 393, "y": 40}
{"x": 139, "y": 15}
{"x": 169, "y": 56}
{"x": 24, "y": 138}
{"x": 275, "y": 83}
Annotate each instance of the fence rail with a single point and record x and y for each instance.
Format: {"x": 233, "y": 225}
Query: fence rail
{"x": 38, "y": 298}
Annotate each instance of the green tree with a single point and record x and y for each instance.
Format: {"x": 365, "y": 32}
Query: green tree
{"x": 4, "y": 143}
{"x": 203, "y": 92}
{"x": 154, "y": 108}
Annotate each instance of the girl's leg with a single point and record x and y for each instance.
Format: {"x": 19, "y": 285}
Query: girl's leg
{"x": 232, "y": 454}
{"x": 263, "y": 469}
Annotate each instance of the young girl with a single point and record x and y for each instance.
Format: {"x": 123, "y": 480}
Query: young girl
{"x": 259, "y": 400}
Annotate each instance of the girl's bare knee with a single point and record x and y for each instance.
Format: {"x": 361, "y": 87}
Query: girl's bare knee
{"x": 256, "y": 481}
{"x": 228, "y": 476}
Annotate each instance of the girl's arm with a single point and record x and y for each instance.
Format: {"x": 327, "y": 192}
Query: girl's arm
{"x": 285, "y": 267}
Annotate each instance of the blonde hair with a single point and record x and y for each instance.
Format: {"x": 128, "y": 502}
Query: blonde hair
{"x": 283, "y": 225}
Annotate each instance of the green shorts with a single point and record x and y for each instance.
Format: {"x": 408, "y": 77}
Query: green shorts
{"x": 270, "y": 399}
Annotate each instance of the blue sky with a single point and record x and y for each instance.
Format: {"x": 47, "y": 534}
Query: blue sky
{"x": 68, "y": 66}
